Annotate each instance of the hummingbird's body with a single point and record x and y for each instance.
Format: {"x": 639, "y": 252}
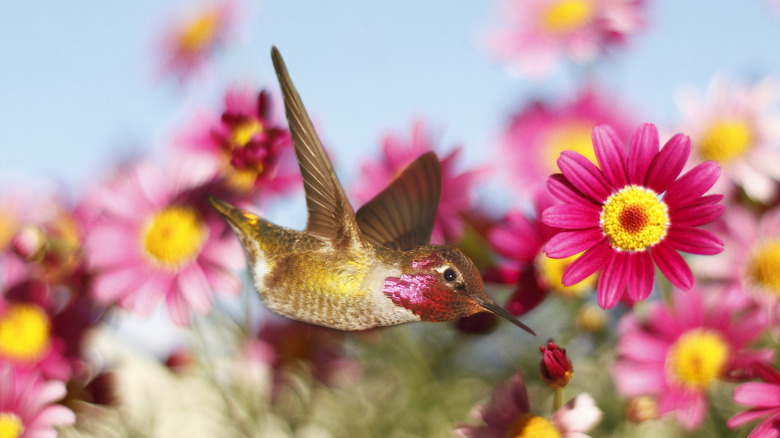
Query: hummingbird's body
{"x": 354, "y": 271}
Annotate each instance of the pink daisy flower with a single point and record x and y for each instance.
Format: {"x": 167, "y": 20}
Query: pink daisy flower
{"x": 631, "y": 212}
{"x": 27, "y": 405}
{"x": 508, "y": 415}
{"x": 537, "y": 34}
{"x": 681, "y": 350}
{"x": 764, "y": 397}
{"x": 457, "y": 189}
{"x": 189, "y": 43}
{"x": 540, "y": 131}
{"x": 157, "y": 240}
{"x": 253, "y": 152}
{"x": 736, "y": 125}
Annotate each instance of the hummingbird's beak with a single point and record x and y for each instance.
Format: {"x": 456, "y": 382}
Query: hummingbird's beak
{"x": 242, "y": 222}
{"x": 500, "y": 311}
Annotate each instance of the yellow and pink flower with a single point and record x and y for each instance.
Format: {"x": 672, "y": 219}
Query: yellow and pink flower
{"x": 28, "y": 405}
{"x": 764, "y": 397}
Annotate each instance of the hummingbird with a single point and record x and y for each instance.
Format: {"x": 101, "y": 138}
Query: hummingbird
{"x": 357, "y": 270}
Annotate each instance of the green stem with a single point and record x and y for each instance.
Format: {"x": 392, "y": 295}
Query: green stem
{"x": 557, "y": 399}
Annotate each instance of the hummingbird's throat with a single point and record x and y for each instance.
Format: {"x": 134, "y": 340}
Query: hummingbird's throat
{"x": 427, "y": 298}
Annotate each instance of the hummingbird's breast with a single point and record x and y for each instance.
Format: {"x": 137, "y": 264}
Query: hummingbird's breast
{"x": 304, "y": 278}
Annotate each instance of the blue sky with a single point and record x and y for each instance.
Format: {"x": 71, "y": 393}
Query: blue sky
{"x": 77, "y": 85}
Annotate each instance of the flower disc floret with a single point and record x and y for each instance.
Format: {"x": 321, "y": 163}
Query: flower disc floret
{"x": 634, "y": 219}
{"x": 174, "y": 236}
{"x": 764, "y": 265}
{"x": 698, "y": 358}
{"x": 532, "y": 426}
{"x": 567, "y": 15}
{"x": 24, "y": 333}
{"x": 11, "y": 426}
{"x": 726, "y": 141}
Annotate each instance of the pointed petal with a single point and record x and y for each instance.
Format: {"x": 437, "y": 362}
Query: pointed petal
{"x": 694, "y": 241}
{"x": 584, "y": 176}
{"x": 702, "y": 212}
{"x": 611, "y": 155}
{"x": 613, "y": 280}
{"x": 746, "y": 417}
{"x": 588, "y": 263}
{"x": 668, "y": 163}
{"x": 194, "y": 287}
{"x": 562, "y": 189}
{"x": 692, "y": 185}
{"x": 568, "y": 243}
{"x": 767, "y": 428}
{"x": 643, "y": 149}
{"x": 640, "y": 283}
{"x": 672, "y": 265}
{"x": 571, "y": 216}
{"x": 760, "y": 394}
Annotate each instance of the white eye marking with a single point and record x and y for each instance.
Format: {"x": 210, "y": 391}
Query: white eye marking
{"x": 449, "y": 273}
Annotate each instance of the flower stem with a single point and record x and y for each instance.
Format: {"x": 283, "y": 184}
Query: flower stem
{"x": 557, "y": 399}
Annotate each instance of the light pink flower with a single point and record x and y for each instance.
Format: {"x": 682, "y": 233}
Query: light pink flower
{"x": 27, "y": 405}
{"x": 737, "y": 125}
{"x": 764, "y": 397}
{"x": 457, "y": 189}
{"x": 536, "y": 34}
{"x": 253, "y": 152}
{"x": 508, "y": 414}
{"x": 156, "y": 239}
{"x": 631, "y": 212}
{"x": 540, "y": 131}
{"x": 679, "y": 351}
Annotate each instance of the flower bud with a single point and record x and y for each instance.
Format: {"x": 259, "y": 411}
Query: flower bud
{"x": 30, "y": 243}
{"x": 555, "y": 367}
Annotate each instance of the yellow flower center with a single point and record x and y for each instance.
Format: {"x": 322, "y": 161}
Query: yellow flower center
{"x": 569, "y": 137}
{"x": 199, "y": 32}
{"x": 10, "y": 425}
{"x": 697, "y": 358}
{"x": 174, "y": 236}
{"x": 764, "y": 265}
{"x": 567, "y": 15}
{"x": 532, "y": 426}
{"x": 725, "y": 141}
{"x": 634, "y": 219}
{"x": 243, "y": 132}
{"x": 551, "y": 271}
{"x": 24, "y": 333}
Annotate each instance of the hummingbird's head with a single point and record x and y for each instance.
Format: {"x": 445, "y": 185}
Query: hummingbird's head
{"x": 439, "y": 283}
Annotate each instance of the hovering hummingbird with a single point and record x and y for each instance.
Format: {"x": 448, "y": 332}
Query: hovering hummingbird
{"x": 354, "y": 271}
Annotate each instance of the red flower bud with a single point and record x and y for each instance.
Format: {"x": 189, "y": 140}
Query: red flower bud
{"x": 555, "y": 367}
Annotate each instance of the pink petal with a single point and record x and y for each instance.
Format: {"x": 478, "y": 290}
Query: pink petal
{"x": 692, "y": 185}
{"x": 668, "y": 163}
{"x": 571, "y": 216}
{"x": 610, "y": 154}
{"x": 767, "y": 428}
{"x": 178, "y": 310}
{"x": 760, "y": 394}
{"x": 643, "y": 148}
{"x": 672, "y": 265}
{"x": 588, "y": 263}
{"x": 694, "y": 241}
{"x": 56, "y": 414}
{"x": 562, "y": 189}
{"x": 612, "y": 282}
{"x": 636, "y": 378}
{"x": 568, "y": 243}
{"x": 700, "y": 213}
{"x": 746, "y": 417}
{"x": 194, "y": 287}
{"x": 108, "y": 287}
{"x": 223, "y": 281}
{"x": 584, "y": 176}
{"x": 640, "y": 283}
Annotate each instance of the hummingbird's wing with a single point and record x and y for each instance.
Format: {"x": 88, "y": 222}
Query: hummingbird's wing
{"x": 331, "y": 217}
{"x": 402, "y": 215}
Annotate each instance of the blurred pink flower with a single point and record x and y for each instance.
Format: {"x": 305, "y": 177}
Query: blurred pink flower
{"x": 457, "y": 189}
{"x": 508, "y": 416}
{"x": 254, "y": 154}
{"x": 540, "y": 131}
{"x": 187, "y": 45}
{"x": 27, "y": 405}
{"x": 631, "y": 212}
{"x": 737, "y": 125}
{"x": 536, "y": 34}
{"x": 156, "y": 239}
{"x": 764, "y": 397}
{"x": 682, "y": 349}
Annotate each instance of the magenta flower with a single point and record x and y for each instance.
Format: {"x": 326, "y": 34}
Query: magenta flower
{"x": 537, "y": 34}
{"x": 631, "y": 212}
{"x": 27, "y": 405}
{"x": 253, "y": 152}
{"x": 764, "y": 397}
{"x": 681, "y": 350}
{"x": 457, "y": 194}
{"x": 540, "y": 131}
{"x": 508, "y": 415}
{"x": 155, "y": 240}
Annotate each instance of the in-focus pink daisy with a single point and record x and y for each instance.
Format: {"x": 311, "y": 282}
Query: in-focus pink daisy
{"x": 764, "y": 397}
{"x": 737, "y": 125}
{"x": 540, "y": 131}
{"x": 631, "y": 212}
{"x": 27, "y": 405}
{"x": 156, "y": 239}
{"x": 681, "y": 350}
{"x": 457, "y": 189}
{"x": 537, "y": 34}
{"x": 254, "y": 154}
{"x": 190, "y": 42}
{"x": 508, "y": 415}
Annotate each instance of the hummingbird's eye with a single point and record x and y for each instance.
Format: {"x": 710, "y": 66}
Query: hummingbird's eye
{"x": 450, "y": 275}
